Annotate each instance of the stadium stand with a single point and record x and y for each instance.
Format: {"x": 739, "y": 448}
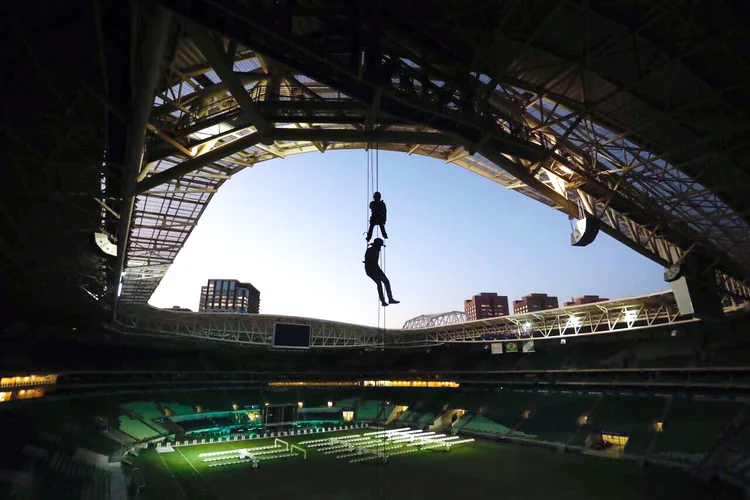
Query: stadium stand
{"x": 692, "y": 428}
{"x": 178, "y": 408}
{"x": 480, "y": 423}
{"x": 136, "y": 429}
{"x": 556, "y": 417}
{"x": 367, "y": 410}
{"x": 632, "y": 416}
{"x": 145, "y": 409}
{"x": 385, "y": 411}
{"x": 346, "y": 402}
{"x": 69, "y": 479}
{"x": 405, "y": 416}
{"x": 426, "y": 418}
{"x": 78, "y": 423}
{"x": 206, "y": 423}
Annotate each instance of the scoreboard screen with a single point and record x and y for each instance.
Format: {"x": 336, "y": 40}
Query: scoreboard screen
{"x": 288, "y": 336}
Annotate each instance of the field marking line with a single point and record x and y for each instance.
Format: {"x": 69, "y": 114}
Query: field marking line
{"x": 205, "y": 483}
{"x": 190, "y": 463}
{"x": 173, "y": 478}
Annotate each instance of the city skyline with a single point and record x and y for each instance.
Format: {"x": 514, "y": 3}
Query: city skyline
{"x": 294, "y": 228}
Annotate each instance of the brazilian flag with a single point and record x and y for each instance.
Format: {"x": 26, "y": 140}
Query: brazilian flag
{"x": 511, "y": 347}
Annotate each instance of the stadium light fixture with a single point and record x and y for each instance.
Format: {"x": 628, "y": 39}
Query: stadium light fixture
{"x": 300, "y": 404}
{"x": 573, "y": 322}
{"x": 330, "y": 404}
{"x": 630, "y": 317}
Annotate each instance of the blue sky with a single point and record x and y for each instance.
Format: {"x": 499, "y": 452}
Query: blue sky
{"x": 294, "y": 228}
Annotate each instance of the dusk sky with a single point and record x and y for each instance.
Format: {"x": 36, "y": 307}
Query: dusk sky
{"x": 294, "y": 228}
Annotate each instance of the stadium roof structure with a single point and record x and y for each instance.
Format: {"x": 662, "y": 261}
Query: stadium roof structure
{"x": 439, "y": 319}
{"x": 132, "y": 115}
{"x": 611, "y": 317}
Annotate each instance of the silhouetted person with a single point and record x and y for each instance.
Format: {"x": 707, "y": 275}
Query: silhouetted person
{"x": 372, "y": 268}
{"x": 378, "y": 214}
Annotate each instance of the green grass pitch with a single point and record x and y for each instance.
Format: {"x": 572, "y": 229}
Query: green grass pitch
{"x": 474, "y": 470}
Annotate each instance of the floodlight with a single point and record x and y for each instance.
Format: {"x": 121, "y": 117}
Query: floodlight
{"x": 573, "y": 322}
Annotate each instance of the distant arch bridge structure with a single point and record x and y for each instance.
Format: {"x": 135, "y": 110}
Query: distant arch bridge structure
{"x": 439, "y": 319}
{"x": 635, "y": 113}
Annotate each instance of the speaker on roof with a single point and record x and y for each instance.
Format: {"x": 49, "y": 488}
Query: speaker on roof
{"x": 585, "y": 231}
{"x": 695, "y": 288}
{"x": 105, "y": 243}
{"x": 673, "y": 273}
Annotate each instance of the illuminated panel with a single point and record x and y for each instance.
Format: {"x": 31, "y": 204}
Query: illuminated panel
{"x": 21, "y": 380}
{"x": 4, "y": 396}
{"x": 348, "y": 415}
{"x": 408, "y": 383}
{"x": 367, "y": 383}
{"x": 314, "y": 384}
{"x": 615, "y": 439}
{"x": 29, "y": 394}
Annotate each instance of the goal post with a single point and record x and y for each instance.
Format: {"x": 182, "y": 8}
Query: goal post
{"x": 285, "y": 443}
{"x": 291, "y": 447}
{"x": 304, "y": 452}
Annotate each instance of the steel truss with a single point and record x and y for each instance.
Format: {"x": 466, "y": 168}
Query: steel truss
{"x": 547, "y": 123}
{"x": 440, "y": 319}
{"x": 650, "y": 311}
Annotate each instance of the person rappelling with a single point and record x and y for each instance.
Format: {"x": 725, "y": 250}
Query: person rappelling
{"x": 372, "y": 268}
{"x": 378, "y": 215}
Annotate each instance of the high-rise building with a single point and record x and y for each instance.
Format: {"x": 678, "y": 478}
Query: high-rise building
{"x": 534, "y": 302}
{"x": 584, "y": 299}
{"x": 229, "y": 296}
{"x": 486, "y": 305}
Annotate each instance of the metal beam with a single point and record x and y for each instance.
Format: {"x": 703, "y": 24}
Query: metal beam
{"x": 152, "y": 60}
{"x": 197, "y": 163}
{"x": 291, "y": 134}
{"x": 224, "y": 69}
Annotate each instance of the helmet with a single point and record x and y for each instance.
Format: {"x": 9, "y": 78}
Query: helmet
{"x": 376, "y": 195}
{"x": 378, "y": 242}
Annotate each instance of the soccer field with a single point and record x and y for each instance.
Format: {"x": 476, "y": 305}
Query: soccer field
{"x": 474, "y": 470}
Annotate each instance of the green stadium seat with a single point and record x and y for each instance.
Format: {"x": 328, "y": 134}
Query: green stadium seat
{"x": 145, "y": 409}
{"x": 136, "y": 429}
{"x": 629, "y": 415}
{"x": 554, "y": 417}
{"x": 178, "y": 408}
{"x": 367, "y": 410}
{"x": 692, "y": 428}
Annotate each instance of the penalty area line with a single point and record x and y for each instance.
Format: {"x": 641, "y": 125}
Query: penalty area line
{"x": 205, "y": 483}
{"x": 190, "y": 463}
{"x": 173, "y": 478}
